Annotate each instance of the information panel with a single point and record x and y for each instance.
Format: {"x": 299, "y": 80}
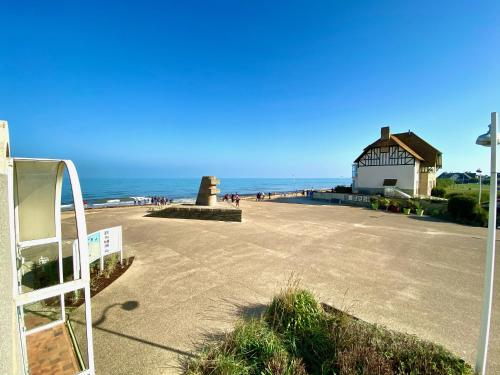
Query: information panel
{"x": 111, "y": 240}
{"x": 94, "y": 244}
{"x": 101, "y": 243}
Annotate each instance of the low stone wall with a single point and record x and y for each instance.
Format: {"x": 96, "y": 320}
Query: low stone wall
{"x": 199, "y": 213}
{"x": 342, "y": 198}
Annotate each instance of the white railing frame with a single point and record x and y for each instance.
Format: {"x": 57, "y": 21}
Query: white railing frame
{"x": 62, "y": 288}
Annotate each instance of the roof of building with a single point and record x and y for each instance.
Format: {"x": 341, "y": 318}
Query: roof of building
{"x": 465, "y": 175}
{"x": 428, "y": 155}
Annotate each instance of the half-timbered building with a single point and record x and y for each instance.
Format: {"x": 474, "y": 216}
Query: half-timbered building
{"x": 403, "y": 161}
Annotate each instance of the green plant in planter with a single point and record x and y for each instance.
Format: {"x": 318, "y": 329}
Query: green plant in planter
{"x": 394, "y": 206}
{"x": 418, "y": 208}
{"x": 384, "y": 203}
{"x": 408, "y": 205}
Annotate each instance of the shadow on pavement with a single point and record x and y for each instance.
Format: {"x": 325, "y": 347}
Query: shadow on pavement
{"x": 429, "y": 219}
{"x": 129, "y": 306}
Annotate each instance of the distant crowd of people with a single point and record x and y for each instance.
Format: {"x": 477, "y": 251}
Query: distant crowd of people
{"x": 160, "y": 201}
{"x": 261, "y": 196}
{"x": 235, "y": 199}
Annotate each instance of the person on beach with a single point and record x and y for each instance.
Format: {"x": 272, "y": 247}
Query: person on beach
{"x": 258, "y": 197}
{"x": 269, "y": 194}
{"x": 232, "y": 198}
{"x": 237, "y": 199}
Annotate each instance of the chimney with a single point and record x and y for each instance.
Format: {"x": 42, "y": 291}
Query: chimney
{"x": 385, "y": 133}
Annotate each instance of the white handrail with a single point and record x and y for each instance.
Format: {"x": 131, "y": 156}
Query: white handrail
{"x": 81, "y": 228}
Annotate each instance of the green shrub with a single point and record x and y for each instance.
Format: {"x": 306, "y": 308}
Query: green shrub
{"x": 384, "y": 203}
{"x": 481, "y": 218}
{"x": 293, "y": 310}
{"x": 395, "y": 203}
{"x": 254, "y": 341}
{"x": 363, "y": 360}
{"x": 299, "y": 318}
{"x": 438, "y": 212}
{"x": 253, "y": 348}
{"x": 364, "y": 348}
{"x": 438, "y": 191}
{"x": 296, "y": 336}
{"x": 407, "y": 203}
{"x": 110, "y": 264}
{"x": 215, "y": 361}
{"x": 460, "y": 193}
{"x": 417, "y": 205}
{"x": 462, "y": 207}
{"x": 280, "y": 364}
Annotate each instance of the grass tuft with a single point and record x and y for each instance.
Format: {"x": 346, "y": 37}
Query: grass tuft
{"x": 257, "y": 344}
{"x": 296, "y": 336}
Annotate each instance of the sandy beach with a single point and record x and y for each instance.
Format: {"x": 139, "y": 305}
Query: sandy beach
{"x": 193, "y": 279}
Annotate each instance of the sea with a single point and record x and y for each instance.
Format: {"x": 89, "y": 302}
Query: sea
{"x": 102, "y": 191}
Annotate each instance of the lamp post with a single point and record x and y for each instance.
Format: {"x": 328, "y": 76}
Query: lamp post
{"x": 490, "y": 139}
{"x": 479, "y": 171}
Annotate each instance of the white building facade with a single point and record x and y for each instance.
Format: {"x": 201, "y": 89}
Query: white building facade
{"x": 392, "y": 161}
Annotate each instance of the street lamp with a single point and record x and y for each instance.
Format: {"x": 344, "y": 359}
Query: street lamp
{"x": 478, "y": 172}
{"x": 489, "y": 139}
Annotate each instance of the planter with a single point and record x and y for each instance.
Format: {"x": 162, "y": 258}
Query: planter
{"x": 420, "y": 212}
{"x": 374, "y": 206}
{"x": 407, "y": 211}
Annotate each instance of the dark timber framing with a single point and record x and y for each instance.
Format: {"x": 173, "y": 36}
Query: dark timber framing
{"x": 384, "y": 156}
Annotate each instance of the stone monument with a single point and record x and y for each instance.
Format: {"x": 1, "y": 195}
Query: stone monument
{"x": 206, "y": 207}
{"x": 207, "y": 194}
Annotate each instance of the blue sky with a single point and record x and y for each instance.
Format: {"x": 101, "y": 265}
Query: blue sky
{"x": 245, "y": 88}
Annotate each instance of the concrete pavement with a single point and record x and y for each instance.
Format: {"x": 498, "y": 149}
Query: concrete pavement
{"x": 192, "y": 279}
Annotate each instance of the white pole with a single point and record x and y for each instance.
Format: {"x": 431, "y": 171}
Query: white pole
{"x": 120, "y": 242}
{"x": 81, "y": 230}
{"x": 482, "y": 349}
{"x": 480, "y": 190}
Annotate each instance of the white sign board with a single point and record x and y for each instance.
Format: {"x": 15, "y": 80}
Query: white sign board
{"x": 101, "y": 243}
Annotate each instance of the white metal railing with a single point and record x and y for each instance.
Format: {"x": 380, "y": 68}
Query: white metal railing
{"x": 80, "y": 282}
